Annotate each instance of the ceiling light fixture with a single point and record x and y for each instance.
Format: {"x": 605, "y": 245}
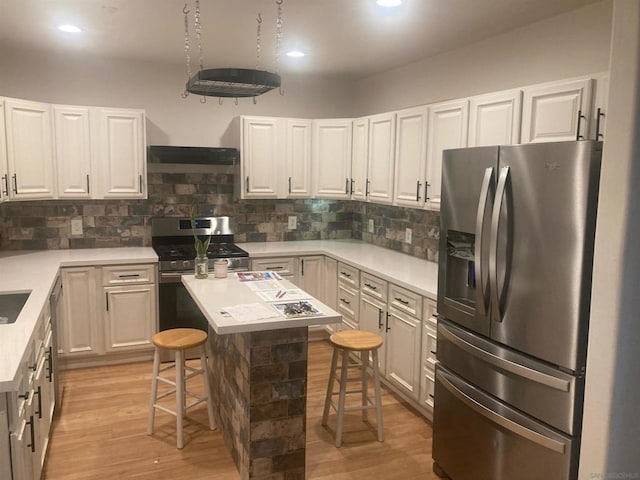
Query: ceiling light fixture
{"x": 295, "y": 54}
{"x": 389, "y": 3}
{"x": 231, "y": 82}
{"x": 69, "y": 28}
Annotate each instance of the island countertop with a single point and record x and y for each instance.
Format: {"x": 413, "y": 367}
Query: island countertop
{"x": 212, "y": 295}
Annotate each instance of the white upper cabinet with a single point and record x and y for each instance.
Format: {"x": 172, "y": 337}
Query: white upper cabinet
{"x": 72, "y": 140}
{"x": 298, "y": 158}
{"x": 120, "y": 152}
{"x": 4, "y": 176}
{"x": 331, "y": 158}
{"x": 261, "y": 157}
{"x": 359, "y": 159}
{"x": 411, "y": 156}
{"x": 382, "y": 131}
{"x": 448, "y": 126}
{"x": 494, "y": 119}
{"x": 557, "y": 111}
{"x": 29, "y": 150}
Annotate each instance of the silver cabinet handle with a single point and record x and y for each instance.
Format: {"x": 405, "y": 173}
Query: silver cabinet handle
{"x": 492, "y": 416}
{"x": 481, "y": 291}
{"x": 503, "y": 364}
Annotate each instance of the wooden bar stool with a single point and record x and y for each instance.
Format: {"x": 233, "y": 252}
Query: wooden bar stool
{"x": 179, "y": 339}
{"x": 346, "y": 342}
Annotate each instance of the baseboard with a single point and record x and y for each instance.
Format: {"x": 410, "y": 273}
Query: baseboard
{"x": 71, "y": 363}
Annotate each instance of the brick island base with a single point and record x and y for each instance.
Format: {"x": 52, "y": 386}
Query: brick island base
{"x": 259, "y": 386}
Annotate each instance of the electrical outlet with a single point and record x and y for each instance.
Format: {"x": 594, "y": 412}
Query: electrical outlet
{"x": 407, "y": 235}
{"x": 370, "y": 225}
{"x": 293, "y": 222}
{"x": 76, "y": 226}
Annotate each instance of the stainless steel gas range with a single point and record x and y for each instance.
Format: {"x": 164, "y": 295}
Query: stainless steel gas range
{"x": 172, "y": 239}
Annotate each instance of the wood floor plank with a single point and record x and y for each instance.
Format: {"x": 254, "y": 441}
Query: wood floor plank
{"x": 101, "y": 433}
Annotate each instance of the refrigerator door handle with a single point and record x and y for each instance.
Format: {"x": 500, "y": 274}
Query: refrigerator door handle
{"x": 506, "y": 423}
{"x": 506, "y": 365}
{"x": 493, "y": 251}
{"x": 481, "y": 289}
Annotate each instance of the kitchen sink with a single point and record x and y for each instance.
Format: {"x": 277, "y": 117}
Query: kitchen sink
{"x": 10, "y": 306}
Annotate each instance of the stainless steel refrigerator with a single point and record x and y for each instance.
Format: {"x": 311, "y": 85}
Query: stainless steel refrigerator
{"x": 514, "y": 288}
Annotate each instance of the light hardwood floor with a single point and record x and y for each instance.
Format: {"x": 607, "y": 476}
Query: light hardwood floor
{"x": 101, "y": 434}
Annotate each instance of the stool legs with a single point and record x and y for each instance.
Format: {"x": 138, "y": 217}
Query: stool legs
{"x": 376, "y": 384}
{"x": 342, "y": 396}
{"x": 154, "y": 390}
{"x": 364, "y": 357}
{"x": 332, "y": 377}
{"x": 180, "y": 397}
{"x": 205, "y": 373}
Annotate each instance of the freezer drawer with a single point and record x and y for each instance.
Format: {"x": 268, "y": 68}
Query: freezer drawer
{"x": 477, "y": 437}
{"x": 537, "y": 389}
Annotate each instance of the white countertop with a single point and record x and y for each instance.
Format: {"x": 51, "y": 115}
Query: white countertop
{"x": 36, "y": 272}
{"x": 417, "y": 275}
{"x": 212, "y": 295}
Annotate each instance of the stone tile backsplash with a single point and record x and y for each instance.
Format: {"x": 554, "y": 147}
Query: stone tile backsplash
{"x": 35, "y": 225}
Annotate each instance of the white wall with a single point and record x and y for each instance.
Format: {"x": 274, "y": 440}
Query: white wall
{"x": 612, "y": 423}
{"x": 568, "y": 45}
{"x": 171, "y": 120}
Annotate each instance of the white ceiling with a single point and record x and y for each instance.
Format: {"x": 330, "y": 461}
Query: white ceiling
{"x": 342, "y": 38}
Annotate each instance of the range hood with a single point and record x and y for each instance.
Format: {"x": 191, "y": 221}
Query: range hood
{"x": 192, "y": 155}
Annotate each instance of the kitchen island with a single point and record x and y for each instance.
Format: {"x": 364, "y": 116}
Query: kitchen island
{"x": 258, "y": 377}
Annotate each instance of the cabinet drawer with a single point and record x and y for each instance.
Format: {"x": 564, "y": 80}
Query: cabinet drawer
{"x": 406, "y": 301}
{"x": 428, "y": 386}
{"x": 348, "y": 300}
{"x": 429, "y": 310}
{"x": 373, "y": 286}
{"x": 283, "y": 266}
{"x": 348, "y": 275}
{"x": 128, "y": 274}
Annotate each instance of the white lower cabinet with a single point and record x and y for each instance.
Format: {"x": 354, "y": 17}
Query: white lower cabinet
{"x": 402, "y": 352}
{"x": 107, "y": 309}
{"x": 428, "y": 363}
{"x": 283, "y": 266}
{"x": 25, "y": 414}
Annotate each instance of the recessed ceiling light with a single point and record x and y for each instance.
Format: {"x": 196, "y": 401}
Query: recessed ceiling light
{"x": 295, "y": 54}
{"x": 69, "y": 28}
{"x": 389, "y": 3}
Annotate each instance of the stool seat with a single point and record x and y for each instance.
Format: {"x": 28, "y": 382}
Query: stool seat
{"x": 179, "y": 338}
{"x": 357, "y": 340}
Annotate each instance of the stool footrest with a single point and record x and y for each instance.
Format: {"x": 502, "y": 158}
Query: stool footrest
{"x": 165, "y": 409}
{"x": 166, "y": 394}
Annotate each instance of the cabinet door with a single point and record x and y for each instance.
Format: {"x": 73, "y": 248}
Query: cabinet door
{"x": 359, "y": 159}
{"x": 331, "y": 158}
{"x": 382, "y": 131}
{"x": 299, "y": 158}
{"x": 311, "y": 277}
{"x": 29, "y": 150}
{"x": 73, "y": 151}
{"x": 79, "y": 333}
{"x": 261, "y": 157}
{"x": 130, "y": 317}
{"x": 5, "y": 436}
{"x": 4, "y": 176}
{"x": 372, "y": 319}
{"x": 494, "y": 119}
{"x": 411, "y": 156}
{"x": 556, "y": 112}
{"x": 448, "y": 126}
{"x": 402, "y": 354}
{"x": 121, "y": 153}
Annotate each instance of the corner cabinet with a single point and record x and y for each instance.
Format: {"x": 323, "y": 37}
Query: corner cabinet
{"x": 557, "y": 111}
{"x": 331, "y": 158}
{"x": 29, "y": 150}
{"x": 120, "y": 152}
